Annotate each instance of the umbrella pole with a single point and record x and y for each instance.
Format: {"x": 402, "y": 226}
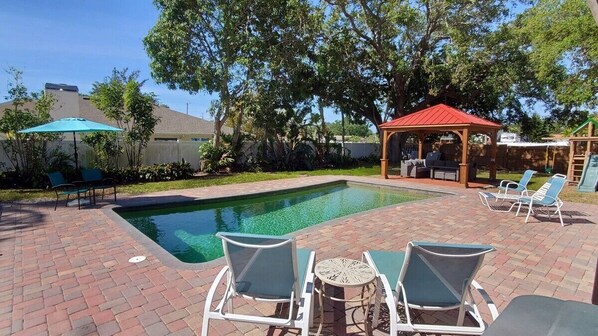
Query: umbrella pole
{"x": 76, "y": 155}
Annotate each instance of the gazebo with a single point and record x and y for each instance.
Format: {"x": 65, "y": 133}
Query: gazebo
{"x": 439, "y": 119}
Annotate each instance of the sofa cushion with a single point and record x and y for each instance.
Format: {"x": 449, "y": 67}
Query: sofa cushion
{"x": 433, "y": 155}
{"x": 434, "y": 163}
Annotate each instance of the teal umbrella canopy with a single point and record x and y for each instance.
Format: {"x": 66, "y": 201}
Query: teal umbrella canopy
{"x": 71, "y": 125}
{"x": 75, "y": 125}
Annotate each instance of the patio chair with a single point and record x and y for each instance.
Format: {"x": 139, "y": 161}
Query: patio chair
{"x": 519, "y": 187}
{"x": 545, "y": 197}
{"x": 94, "y": 178}
{"x": 62, "y": 188}
{"x": 491, "y": 200}
{"x": 264, "y": 268}
{"x": 433, "y": 277}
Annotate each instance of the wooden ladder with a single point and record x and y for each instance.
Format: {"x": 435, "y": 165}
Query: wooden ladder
{"x": 576, "y": 169}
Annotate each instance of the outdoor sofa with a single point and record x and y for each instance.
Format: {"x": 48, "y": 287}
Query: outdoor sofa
{"x": 419, "y": 168}
{"x": 450, "y": 170}
{"x": 433, "y": 167}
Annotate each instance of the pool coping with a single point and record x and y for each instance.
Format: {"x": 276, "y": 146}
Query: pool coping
{"x": 171, "y": 261}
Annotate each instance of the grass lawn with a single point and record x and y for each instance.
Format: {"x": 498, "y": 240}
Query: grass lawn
{"x": 569, "y": 194}
{"x": 8, "y": 195}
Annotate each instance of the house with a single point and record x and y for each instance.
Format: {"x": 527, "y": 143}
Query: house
{"x": 173, "y": 125}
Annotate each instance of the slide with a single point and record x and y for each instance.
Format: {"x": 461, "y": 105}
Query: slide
{"x": 589, "y": 177}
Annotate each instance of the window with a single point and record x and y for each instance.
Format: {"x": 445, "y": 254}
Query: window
{"x": 200, "y": 139}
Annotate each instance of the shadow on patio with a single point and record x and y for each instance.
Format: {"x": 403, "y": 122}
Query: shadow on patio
{"x": 17, "y": 216}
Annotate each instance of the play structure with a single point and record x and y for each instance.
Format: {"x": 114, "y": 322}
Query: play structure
{"x": 583, "y": 163}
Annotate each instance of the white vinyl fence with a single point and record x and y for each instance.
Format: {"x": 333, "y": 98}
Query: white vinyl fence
{"x": 358, "y": 150}
{"x": 155, "y": 153}
{"x": 168, "y": 151}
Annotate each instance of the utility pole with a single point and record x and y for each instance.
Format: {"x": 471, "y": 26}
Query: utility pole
{"x": 187, "y": 108}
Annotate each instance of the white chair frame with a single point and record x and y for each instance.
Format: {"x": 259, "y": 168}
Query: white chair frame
{"x": 303, "y": 298}
{"x": 541, "y": 194}
{"x": 391, "y": 298}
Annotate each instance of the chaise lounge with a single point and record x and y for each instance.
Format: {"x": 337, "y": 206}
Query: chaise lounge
{"x": 263, "y": 268}
{"x": 430, "y": 276}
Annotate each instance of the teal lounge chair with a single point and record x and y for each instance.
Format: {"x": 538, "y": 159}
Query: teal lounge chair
{"x": 545, "y": 197}
{"x": 264, "y": 268}
{"x": 518, "y": 187}
{"x": 430, "y": 276}
{"x": 94, "y": 178}
{"x": 62, "y": 188}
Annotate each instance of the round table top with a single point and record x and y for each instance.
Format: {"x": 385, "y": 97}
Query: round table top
{"x": 344, "y": 272}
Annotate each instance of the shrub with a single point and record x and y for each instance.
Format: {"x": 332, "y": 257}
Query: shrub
{"x": 214, "y": 159}
{"x": 154, "y": 173}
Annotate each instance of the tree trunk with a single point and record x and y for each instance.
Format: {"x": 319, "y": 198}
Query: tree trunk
{"x": 236, "y": 141}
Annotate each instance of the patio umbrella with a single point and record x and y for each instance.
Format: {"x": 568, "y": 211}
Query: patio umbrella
{"x": 75, "y": 125}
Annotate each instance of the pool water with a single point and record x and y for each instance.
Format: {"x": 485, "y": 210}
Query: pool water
{"x": 188, "y": 231}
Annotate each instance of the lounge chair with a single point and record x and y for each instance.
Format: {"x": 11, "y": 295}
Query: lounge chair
{"x": 264, "y": 268}
{"x": 518, "y": 187}
{"x": 545, "y": 197}
{"x": 62, "y": 188}
{"x": 94, "y": 178}
{"x": 495, "y": 201}
{"x": 430, "y": 276}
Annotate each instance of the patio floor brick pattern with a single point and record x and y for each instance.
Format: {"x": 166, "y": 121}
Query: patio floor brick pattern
{"x": 66, "y": 272}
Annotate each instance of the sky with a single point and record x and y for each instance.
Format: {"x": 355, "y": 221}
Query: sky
{"x": 80, "y": 42}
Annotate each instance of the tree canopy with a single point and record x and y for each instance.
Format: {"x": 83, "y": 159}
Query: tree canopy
{"x": 563, "y": 42}
{"x": 350, "y": 129}
{"x": 250, "y": 53}
{"x": 272, "y": 62}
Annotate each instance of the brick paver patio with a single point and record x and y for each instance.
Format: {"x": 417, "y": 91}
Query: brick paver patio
{"x": 67, "y": 271}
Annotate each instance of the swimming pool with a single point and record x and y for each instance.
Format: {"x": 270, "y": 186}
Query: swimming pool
{"x": 187, "y": 230}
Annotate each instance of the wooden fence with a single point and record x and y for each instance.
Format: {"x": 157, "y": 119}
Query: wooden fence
{"x": 511, "y": 158}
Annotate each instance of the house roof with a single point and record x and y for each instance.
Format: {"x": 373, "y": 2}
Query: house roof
{"x": 171, "y": 122}
{"x": 439, "y": 116}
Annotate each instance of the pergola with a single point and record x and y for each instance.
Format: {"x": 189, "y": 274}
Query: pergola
{"x": 439, "y": 119}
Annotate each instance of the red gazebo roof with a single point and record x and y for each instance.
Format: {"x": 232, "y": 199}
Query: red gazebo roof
{"x": 439, "y": 115}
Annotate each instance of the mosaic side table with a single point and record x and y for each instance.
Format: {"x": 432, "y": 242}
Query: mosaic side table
{"x": 346, "y": 273}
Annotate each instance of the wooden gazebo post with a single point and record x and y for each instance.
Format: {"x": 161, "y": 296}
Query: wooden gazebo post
{"x": 464, "y": 166}
{"x": 493, "y": 151}
{"x": 384, "y": 159}
{"x": 420, "y": 144}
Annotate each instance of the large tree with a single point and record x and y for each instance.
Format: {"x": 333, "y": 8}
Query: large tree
{"x": 197, "y": 45}
{"x": 384, "y": 59}
{"x": 235, "y": 49}
{"x": 120, "y": 98}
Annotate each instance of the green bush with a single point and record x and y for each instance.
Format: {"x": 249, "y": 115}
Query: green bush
{"x": 154, "y": 173}
{"x": 214, "y": 159}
